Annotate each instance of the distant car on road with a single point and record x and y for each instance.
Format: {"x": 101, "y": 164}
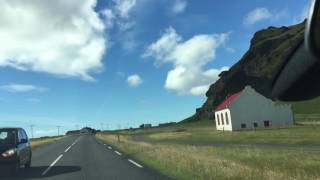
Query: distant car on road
{"x": 15, "y": 149}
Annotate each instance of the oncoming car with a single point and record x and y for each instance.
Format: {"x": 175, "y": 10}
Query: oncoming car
{"x": 15, "y": 149}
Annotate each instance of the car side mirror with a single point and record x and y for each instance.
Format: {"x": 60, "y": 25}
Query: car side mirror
{"x": 312, "y": 34}
{"x": 23, "y": 141}
{"x": 298, "y": 79}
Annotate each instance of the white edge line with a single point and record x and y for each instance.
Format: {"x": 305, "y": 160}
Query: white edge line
{"x": 118, "y": 153}
{"x": 135, "y": 163}
{"x": 51, "y": 165}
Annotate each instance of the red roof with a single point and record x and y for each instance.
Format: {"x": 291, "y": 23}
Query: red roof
{"x": 228, "y": 101}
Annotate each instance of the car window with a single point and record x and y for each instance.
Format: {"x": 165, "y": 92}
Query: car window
{"x": 6, "y": 137}
{"x": 3, "y": 135}
{"x": 25, "y": 136}
{"x": 20, "y": 136}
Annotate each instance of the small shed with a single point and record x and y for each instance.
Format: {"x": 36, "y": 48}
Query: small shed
{"x": 248, "y": 109}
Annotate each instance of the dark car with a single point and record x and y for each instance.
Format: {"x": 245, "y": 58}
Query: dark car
{"x": 15, "y": 149}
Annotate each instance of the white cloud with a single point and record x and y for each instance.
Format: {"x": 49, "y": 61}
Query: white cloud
{"x": 123, "y": 7}
{"x": 134, "y": 80}
{"x": 119, "y": 13}
{"x": 188, "y": 58}
{"x": 257, "y": 15}
{"x": 109, "y": 17}
{"x": 22, "y": 88}
{"x": 118, "y": 16}
{"x": 63, "y": 38}
{"x": 179, "y": 6}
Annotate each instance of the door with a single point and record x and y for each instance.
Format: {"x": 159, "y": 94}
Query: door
{"x": 27, "y": 146}
{"x": 21, "y": 147}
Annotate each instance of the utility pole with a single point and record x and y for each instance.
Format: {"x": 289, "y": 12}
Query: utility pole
{"x": 58, "y": 130}
{"x": 101, "y": 126}
{"x": 31, "y": 127}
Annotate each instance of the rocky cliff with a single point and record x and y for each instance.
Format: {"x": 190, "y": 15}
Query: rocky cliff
{"x": 268, "y": 52}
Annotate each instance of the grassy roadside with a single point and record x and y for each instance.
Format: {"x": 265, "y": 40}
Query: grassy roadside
{"x": 38, "y": 142}
{"x": 202, "y": 162}
{"x": 295, "y": 135}
{"x": 204, "y": 132}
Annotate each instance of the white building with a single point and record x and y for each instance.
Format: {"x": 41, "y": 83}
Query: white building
{"x": 248, "y": 109}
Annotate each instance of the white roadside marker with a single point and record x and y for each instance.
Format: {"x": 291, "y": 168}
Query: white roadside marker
{"x": 135, "y": 163}
{"x": 51, "y": 165}
{"x": 118, "y": 153}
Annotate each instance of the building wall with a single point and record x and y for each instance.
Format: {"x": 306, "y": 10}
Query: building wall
{"x": 223, "y": 120}
{"x": 251, "y": 107}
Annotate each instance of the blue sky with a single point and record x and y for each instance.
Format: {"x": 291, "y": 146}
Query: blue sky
{"x": 121, "y": 62}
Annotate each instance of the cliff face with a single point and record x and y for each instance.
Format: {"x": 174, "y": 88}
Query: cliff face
{"x": 268, "y": 52}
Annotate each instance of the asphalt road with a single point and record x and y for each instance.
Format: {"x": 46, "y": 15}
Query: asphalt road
{"x": 84, "y": 158}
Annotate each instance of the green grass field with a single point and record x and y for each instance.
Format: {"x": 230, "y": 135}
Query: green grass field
{"x": 204, "y": 133}
{"x": 307, "y": 107}
{"x": 184, "y": 151}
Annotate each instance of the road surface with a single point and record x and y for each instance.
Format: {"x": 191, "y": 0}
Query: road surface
{"x": 84, "y": 158}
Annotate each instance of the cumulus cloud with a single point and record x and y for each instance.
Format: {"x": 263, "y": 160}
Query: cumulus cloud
{"x": 119, "y": 13}
{"x": 118, "y": 16}
{"x": 134, "y": 80}
{"x": 22, "y": 88}
{"x": 123, "y": 7}
{"x": 257, "y": 15}
{"x": 109, "y": 17}
{"x": 63, "y": 38}
{"x": 179, "y": 6}
{"x": 188, "y": 75}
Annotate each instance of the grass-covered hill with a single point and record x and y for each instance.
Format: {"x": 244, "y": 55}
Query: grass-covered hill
{"x": 268, "y": 52}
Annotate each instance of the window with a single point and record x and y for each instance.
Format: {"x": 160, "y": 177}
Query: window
{"x": 266, "y": 123}
{"x": 20, "y": 136}
{"x": 218, "y": 120}
{"x": 7, "y": 137}
{"x": 3, "y": 135}
{"x": 255, "y": 124}
{"x": 243, "y": 125}
{"x": 227, "y": 119}
{"x": 222, "y": 120}
{"x": 24, "y": 134}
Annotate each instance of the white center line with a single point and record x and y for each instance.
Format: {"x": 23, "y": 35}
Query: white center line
{"x": 67, "y": 149}
{"x": 75, "y": 142}
{"x": 118, "y": 153}
{"x": 135, "y": 163}
{"x": 109, "y": 147}
{"x": 51, "y": 165}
